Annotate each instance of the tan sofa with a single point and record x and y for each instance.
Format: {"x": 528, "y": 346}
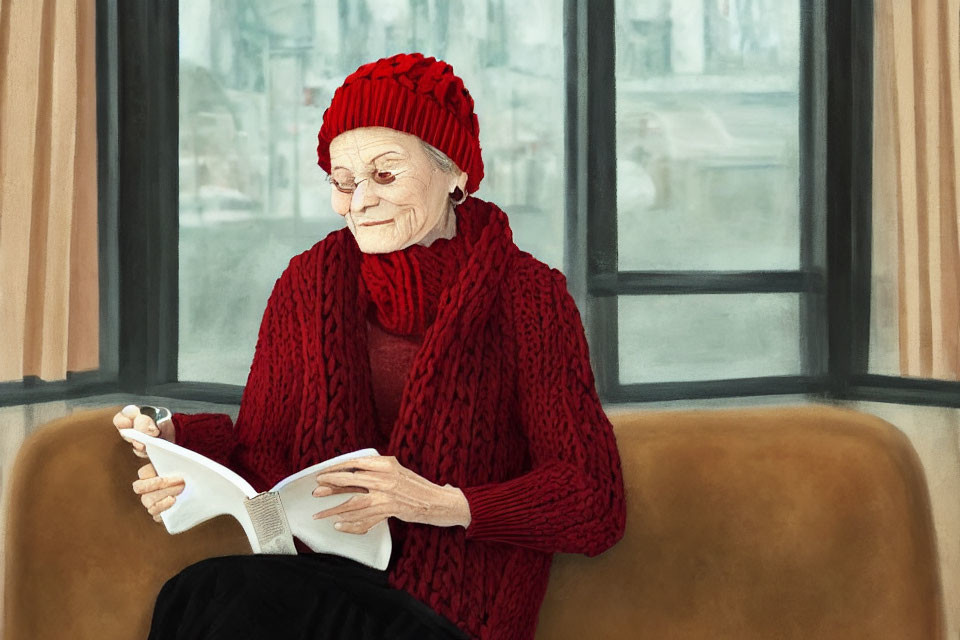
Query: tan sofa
{"x": 772, "y": 523}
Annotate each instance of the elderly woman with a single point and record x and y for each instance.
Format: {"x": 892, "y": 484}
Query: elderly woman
{"x": 422, "y": 330}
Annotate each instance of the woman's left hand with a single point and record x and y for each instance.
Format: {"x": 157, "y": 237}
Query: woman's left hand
{"x": 387, "y": 488}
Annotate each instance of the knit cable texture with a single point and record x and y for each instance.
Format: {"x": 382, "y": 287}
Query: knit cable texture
{"x": 500, "y": 401}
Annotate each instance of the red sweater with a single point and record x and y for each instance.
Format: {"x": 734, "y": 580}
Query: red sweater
{"x": 391, "y": 356}
{"x": 499, "y": 400}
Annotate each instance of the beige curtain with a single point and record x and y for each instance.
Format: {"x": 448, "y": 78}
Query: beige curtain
{"x": 48, "y": 189}
{"x": 916, "y": 172}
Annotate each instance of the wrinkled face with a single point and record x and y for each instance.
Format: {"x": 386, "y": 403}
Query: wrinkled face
{"x": 390, "y": 192}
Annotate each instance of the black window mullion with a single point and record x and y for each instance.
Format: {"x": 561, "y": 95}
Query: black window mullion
{"x": 575, "y": 148}
{"x": 216, "y": 392}
{"x": 849, "y": 128}
{"x": 591, "y": 248}
{"x": 77, "y": 385}
{"x": 727, "y": 388}
{"x": 813, "y": 149}
{"x": 107, "y": 184}
{"x": 688, "y": 282}
{"x": 147, "y": 132}
{"x": 904, "y": 390}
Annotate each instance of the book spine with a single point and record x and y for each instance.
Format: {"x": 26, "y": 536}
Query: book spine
{"x": 270, "y": 524}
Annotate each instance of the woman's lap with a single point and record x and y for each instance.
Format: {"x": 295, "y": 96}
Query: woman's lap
{"x": 298, "y": 597}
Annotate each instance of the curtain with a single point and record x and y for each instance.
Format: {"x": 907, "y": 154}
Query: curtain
{"x": 49, "y": 293}
{"x": 915, "y": 176}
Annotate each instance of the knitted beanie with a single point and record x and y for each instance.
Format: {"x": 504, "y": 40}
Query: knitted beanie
{"x": 410, "y": 93}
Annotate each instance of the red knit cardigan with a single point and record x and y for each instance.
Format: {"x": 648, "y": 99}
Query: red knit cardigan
{"x": 500, "y": 401}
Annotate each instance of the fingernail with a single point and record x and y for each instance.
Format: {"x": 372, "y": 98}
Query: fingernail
{"x": 338, "y": 525}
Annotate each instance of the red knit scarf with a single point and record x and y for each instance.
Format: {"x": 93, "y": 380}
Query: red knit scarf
{"x": 405, "y": 288}
{"x": 405, "y": 285}
{"x": 341, "y": 402}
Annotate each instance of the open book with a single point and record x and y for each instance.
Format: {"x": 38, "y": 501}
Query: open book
{"x": 270, "y": 519}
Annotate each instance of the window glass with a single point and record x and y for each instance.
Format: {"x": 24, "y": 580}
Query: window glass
{"x": 255, "y": 78}
{"x": 707, "y": 134}
{"x": 708, "y": 336}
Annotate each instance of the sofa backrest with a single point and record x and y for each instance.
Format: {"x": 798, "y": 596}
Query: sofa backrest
{"x": 797, "y": 522}
{"x": 787, "y": 523}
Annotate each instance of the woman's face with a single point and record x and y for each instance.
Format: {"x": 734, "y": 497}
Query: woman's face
{"x": 390, "y": 192}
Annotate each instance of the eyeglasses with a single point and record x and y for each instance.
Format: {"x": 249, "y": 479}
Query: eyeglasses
{"x": 350, "y": 185}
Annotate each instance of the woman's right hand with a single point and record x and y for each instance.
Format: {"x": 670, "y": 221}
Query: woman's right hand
{"x": 130, "y": 418}
{"x": 157, "y": 493}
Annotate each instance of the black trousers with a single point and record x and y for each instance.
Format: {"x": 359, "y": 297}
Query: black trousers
{"x": 296, "y": 597}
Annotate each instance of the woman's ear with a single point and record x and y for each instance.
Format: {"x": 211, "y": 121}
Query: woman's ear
{"x": 461, "y": 182}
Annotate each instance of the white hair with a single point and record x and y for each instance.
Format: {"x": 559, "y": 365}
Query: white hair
{"x": 440, "y": 159}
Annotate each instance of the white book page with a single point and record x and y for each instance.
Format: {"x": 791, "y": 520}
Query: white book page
{"x": 210, "y": 489}
{"x": 372, "y": 548}
{"x": 314, "y": 469}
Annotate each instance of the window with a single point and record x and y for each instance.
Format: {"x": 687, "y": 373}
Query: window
{"x": 255, "y": 79}
{"x": 708, "y": 175}
{"x": 753, "y": 103}
{"x": 708, "y": 134}
{"x": 704, "y": 108}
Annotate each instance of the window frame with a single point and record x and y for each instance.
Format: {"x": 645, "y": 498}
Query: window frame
{"x": 590, "y": 25}
{"x": 137, "y": 110}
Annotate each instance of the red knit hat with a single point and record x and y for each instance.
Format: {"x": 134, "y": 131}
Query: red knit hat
{"x": 410, "y": 93}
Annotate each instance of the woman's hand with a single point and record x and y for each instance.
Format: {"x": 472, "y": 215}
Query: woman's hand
{"x": 386, "y": 488}
{"x": 131, "y": 418}
{"x": 157, "y": 493}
